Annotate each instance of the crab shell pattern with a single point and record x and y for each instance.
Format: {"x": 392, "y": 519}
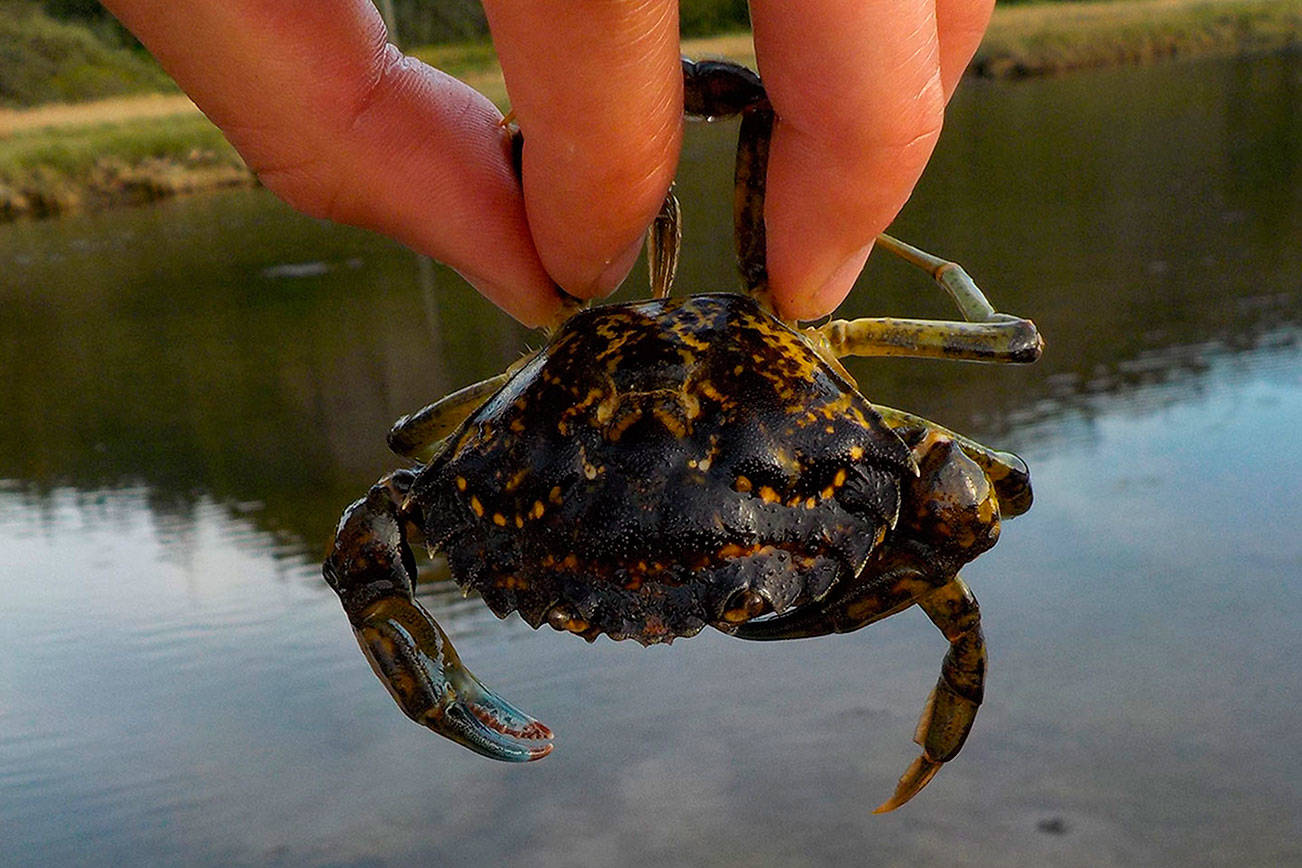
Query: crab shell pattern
{"x": 662, "y": 466}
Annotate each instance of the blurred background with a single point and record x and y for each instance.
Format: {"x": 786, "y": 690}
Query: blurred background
{"x": 192, "y": 387}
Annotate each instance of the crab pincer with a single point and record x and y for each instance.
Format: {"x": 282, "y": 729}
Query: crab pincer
{"x": 371, "y": 569}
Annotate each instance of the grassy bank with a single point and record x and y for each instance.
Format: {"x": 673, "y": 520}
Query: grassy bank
{"x": 1047, "y": 38}
{"x": 44, "y": 60}
{"x": 59, "y": 158}
{"x": 50, "y": 171}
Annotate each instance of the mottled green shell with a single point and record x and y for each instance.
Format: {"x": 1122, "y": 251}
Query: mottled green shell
{"x": 654, "y": 461}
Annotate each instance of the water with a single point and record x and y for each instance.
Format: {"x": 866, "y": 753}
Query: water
{"x": 192, "y": 391}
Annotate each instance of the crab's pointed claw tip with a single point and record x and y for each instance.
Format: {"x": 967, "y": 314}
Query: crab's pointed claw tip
{"x": 490, "y": 726}
{"x": 416, "y": 662}
{"x": 914, "y": 779}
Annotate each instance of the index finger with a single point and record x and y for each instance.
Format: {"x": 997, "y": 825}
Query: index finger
{"x": 859, "y": 96}
{"x": 596, "y": 87}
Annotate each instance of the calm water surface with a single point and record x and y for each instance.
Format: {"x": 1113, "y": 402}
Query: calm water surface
{"x": 192, "y": 392}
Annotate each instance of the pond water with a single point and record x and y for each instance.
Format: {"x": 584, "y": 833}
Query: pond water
{"x": 191, "y": 392}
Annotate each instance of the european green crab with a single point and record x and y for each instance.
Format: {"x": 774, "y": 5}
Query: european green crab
{"x": 675, "y": 463}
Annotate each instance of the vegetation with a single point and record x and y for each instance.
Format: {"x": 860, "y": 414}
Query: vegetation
{"x": 1040, "y": 38}
{"x": 52, "y": 171}
{"x": 71, "y": 50}
{"x": 45, "y": 60}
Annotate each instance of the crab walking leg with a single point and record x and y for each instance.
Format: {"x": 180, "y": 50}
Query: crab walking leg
{"x": 951, "y": 277}
{"x": 1008, "y": 472}
{"x": 418, "y": 435}
{"x": 719, "y": 89}
{"x": 1002, "y": 338}
{"x": 847, "y": 608}
{"x": 748, "y": 201}
{"x": 663, "y": 242}
{"x": 372, "y": 570}
{"x": 985, "y": 336}
{"x": 947, "y": 718}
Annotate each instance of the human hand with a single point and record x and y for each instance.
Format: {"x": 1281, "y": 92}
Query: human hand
{"x": 342, "y": 126}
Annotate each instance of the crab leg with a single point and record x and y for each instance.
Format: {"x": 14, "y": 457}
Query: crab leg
{"x": 1003, "y": 338}
{"x": 985, "y": 336}
{"x": 847, "y": 608}
{"x": 1008, "y": 472}
{"x": 950, "y": 276}
{"x": 663, "y": 242}
{"x": 948, "y": 715}
{"x": 718, "y": 89}
{"x": 372, "y": 570}
{"x": 418, "y": 434}
{"x": 950, "y": 710}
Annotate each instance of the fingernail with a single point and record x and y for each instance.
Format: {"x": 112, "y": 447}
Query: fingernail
{"x": 617, "y": 269}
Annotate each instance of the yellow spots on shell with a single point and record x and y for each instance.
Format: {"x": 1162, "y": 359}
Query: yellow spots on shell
{"x": 538, "y": 510}
{"x": 709, "y": 390}
{"x": 606, "y": 409}
{"x": 476, "y": 507}
{"x": 672, "y": 423}
{"x": 728, "y": 551}
{"x": 614, "y": 432}
{"x": 690, "y": 404}
{"x": 514, "y": 482}
{"x": 555, "y": 495}
{"x": 689, "y": 339}
{"x": 768, "y": 495}
{"x": 811, "y": 502}
{"x": 499, "y": 519}
{"x": 461, "y": 483}
{"x": 561, "y": 617}
{"x": 856, "y": 452}
{"x": 742, "y": 484}
{"x": 839, "y": 479}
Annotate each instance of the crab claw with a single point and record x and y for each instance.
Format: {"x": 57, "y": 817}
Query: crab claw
{"x": 941, "y": 731}
{"x": 413, "y": 657}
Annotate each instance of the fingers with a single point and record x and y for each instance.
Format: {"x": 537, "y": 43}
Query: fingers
{"x": 344, "y": 127}
{"x": 859, "y": 89}
{"x": 596, "y": 87}
{"x": 960, "y": 24}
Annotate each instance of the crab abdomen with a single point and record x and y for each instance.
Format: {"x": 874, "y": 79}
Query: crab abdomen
{"x": 662, "y": 466}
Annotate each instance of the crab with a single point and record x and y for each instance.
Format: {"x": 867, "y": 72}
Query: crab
{"x": 681, "y": 462}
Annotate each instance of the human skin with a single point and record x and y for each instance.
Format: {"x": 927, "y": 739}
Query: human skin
{"x": 341, "y": 125}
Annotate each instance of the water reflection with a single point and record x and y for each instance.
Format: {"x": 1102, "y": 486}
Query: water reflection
{"x": 192, "y": 391}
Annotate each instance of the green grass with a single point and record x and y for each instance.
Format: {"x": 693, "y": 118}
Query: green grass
{"x": 49, "y": 170}
{"x": 43, "y": 60}
{"x": 1042, "y": 38}
{"x": 74, "y": 151}
{"x": 52, "y": 171}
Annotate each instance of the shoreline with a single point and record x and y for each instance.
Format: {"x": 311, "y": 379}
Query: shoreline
{"x": 127, "y": 150}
